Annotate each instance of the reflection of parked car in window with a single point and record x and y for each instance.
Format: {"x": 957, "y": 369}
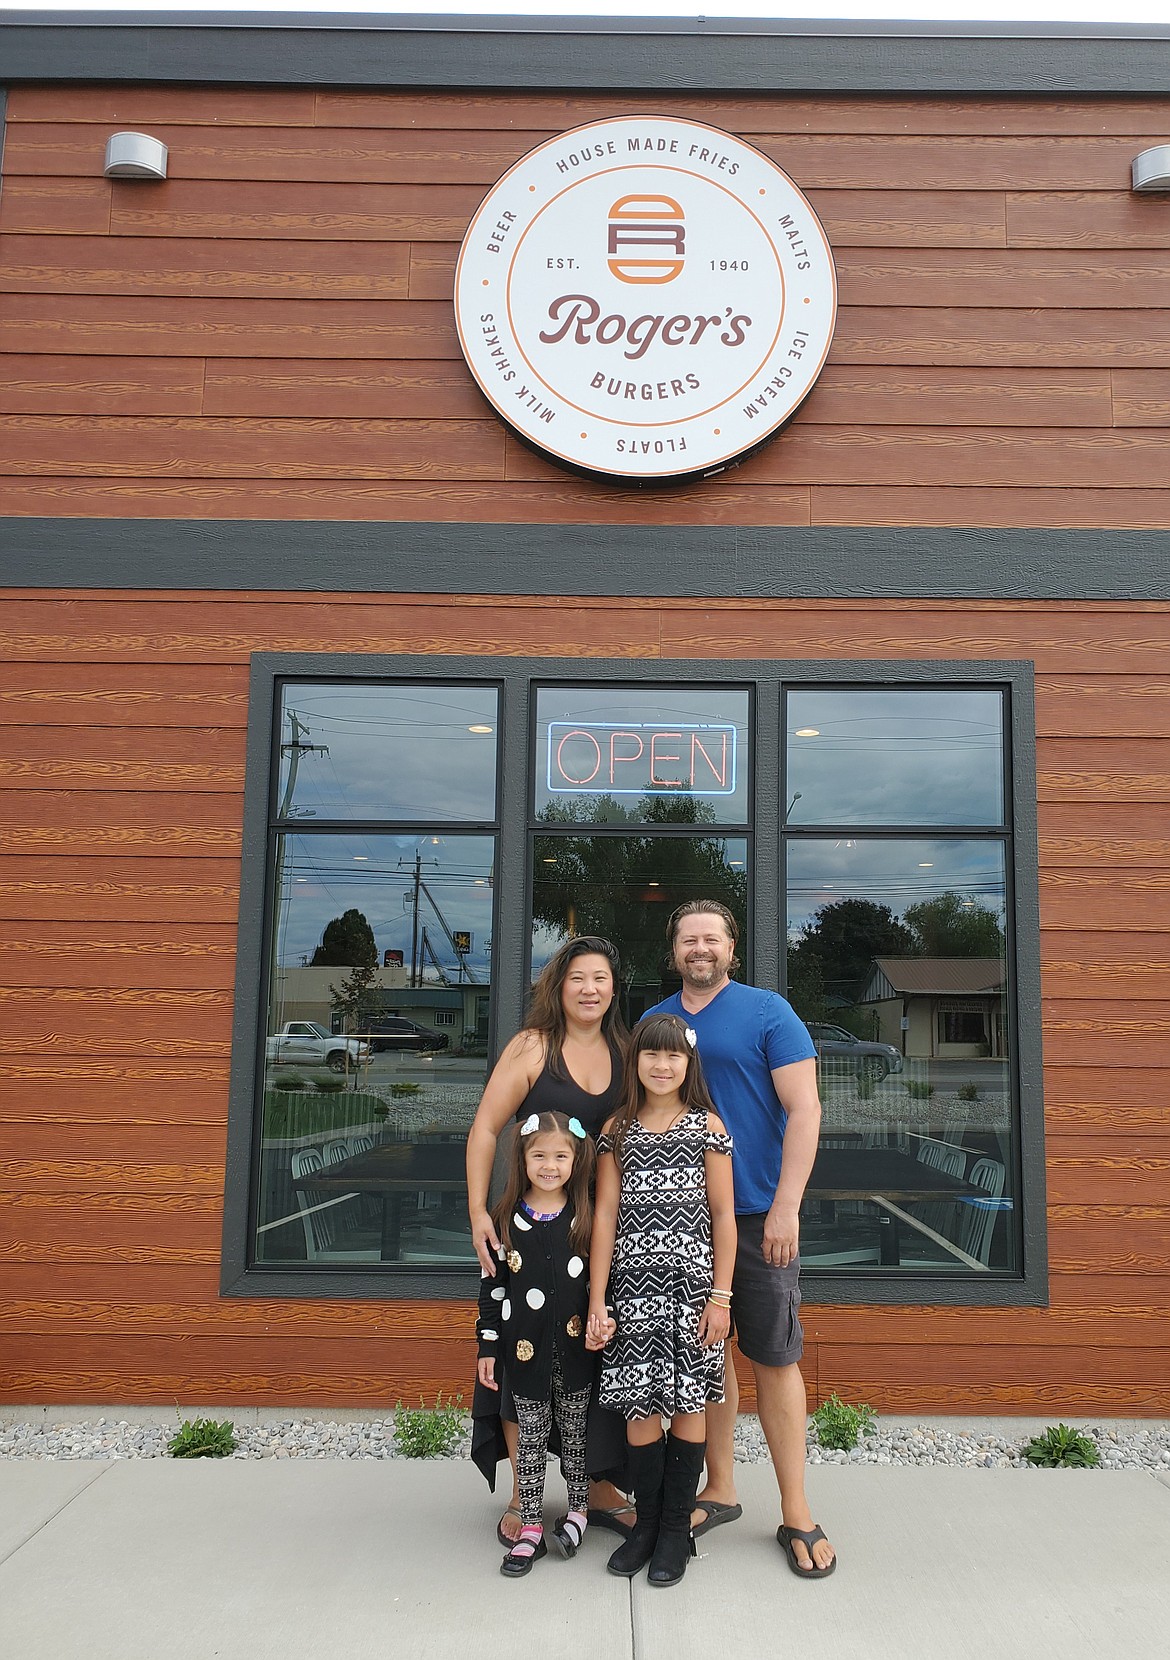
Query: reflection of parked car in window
{"x": 304, "y": 1043}
{"x": 392, "y": 1031}
{"x": 869, "y": 1060}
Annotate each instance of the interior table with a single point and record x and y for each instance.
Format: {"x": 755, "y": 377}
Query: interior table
{"x": 391, "y": 1169}
{"x": 883, "y": 1176}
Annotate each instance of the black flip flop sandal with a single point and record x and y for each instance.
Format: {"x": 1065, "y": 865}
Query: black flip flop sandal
{"x": 512, "y": 1510}
{"x": 717, "y": 1515}
{"x": 785, "y": 1536}
{"x": 608, "y": 1519}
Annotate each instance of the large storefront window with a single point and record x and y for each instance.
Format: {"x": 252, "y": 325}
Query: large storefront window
{"x": 379, "y": 973}
{"x": 431, "y": 841}
{"x": 898, "y": 962}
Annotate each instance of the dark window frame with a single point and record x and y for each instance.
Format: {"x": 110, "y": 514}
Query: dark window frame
{"x": 518, "y": 679}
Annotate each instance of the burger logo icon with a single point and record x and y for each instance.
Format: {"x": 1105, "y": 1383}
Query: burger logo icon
{"x": 647, "y": 239}
{"x": 645, "y": 298}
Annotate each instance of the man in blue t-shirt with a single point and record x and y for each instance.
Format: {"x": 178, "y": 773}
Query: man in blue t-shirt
{"x": 760, "y": 1066}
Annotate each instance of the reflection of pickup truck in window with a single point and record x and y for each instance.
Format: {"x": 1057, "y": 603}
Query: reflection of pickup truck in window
{"x": 304, "y": 1043}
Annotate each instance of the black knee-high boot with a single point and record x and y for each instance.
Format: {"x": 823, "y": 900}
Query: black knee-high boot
{"x": 680, "y": 1483}
{"x": 645, "y": 1472}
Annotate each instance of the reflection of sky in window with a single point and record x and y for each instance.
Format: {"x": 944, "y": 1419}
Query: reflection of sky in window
{"x": 640, "y": 709}
{"x": 894, "y": 873}
{"x": 895, "y": 757}
{"x": 398, "y": 752}
{"x": 322, "y": 876}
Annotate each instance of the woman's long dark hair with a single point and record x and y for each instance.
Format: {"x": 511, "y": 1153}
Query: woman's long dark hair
{"x": 546, "y": 1013}
{"x": 579, "y": 1186}
{"x": 660, "y": 1031}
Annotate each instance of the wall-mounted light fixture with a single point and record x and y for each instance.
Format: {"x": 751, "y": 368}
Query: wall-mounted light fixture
{"x": 135, "y": 156}
{"x": 1151, "y": 170}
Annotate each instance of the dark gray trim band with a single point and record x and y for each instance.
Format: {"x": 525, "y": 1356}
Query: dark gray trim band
{"x": 515, "y": 674}
{"x": 543, "y": 54}
{"x": 591, "y": 560}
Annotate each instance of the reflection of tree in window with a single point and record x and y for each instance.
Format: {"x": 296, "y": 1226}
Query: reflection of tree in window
{"x": 830, "y": 962}
{"x": 624, "y": 887}
{"x": 829, "y": 965}
{"x": 951, "y": 926}
{"x": 347, "y": 942}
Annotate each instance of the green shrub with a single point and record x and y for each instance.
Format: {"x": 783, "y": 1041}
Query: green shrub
{"x": 968, "y": 1092}
{"x": 202, "y": 1438}
{"x": 429, "y": 1431}
{"x": 1060, "y": 1447}
{"x": 839, "y": 1425}
{"x": 919, "y": 1091}
{"x": 402, "y": 1092}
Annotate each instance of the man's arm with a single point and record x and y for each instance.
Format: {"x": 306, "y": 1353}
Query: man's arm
{"x": 796, "y": 1090}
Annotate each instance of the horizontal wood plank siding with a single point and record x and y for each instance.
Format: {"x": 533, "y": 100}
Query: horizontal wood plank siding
{"x": 269, "y": 333}
{"x": 119, "y": 971}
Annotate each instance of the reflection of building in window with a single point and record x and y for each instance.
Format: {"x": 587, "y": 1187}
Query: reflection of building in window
{"x": 961, "y": 1024}
{"x": 939, "y": 1006}
{"x": 444, "y": 1017}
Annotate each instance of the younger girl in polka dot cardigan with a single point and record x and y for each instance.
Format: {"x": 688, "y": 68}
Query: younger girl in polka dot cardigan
{"x": 532, "y": 1320}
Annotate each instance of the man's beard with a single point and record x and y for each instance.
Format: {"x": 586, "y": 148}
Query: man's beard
{"x": 703, "y": 974}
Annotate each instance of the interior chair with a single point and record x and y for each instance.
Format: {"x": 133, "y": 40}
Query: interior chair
{"x": 968, "y": 1221}
{"x": 949, "y": 1161}
{"x": 324, "y": 1215}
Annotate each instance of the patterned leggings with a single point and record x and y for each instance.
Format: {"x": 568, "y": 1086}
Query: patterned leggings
{"x": 534, "y": 1420}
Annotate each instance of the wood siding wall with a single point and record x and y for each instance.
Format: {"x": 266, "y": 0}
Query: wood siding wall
{"x": 120, "y": 831}
{"x": 268, "y": 335}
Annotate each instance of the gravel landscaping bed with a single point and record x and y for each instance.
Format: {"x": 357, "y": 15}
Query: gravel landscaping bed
{"x": 916, "y": 1445}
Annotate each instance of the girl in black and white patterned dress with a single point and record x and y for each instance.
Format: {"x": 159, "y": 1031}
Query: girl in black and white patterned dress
{"x": 664, "y": 1242}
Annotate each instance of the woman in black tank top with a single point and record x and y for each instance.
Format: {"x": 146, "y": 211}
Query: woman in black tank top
{"x": 567, "y": 1059}
{"x": 562, "y": 1093}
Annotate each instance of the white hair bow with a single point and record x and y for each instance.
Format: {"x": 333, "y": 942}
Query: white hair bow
{"x": 530, "y": 1124}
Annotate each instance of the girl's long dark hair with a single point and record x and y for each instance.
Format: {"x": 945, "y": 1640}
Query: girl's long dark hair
{"x": 546, "y": 1013}
{"x": 660, "y": 1031}
{"x": 579, "y": 1186}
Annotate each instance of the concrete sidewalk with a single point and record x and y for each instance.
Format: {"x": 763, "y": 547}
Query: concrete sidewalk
{"x": 275, "y": 1559}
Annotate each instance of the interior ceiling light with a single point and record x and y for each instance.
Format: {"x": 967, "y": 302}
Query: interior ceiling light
{"x": 808, "y": 732}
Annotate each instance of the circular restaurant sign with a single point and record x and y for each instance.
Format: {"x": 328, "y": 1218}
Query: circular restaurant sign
{"x": 646, "y": 298}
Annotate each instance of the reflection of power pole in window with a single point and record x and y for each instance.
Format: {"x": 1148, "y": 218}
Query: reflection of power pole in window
{"x": 415, "y": 966}
{"x": 428, "y": 950}
{"x": 294, "y": 749}
{"x": 460, "y": 955}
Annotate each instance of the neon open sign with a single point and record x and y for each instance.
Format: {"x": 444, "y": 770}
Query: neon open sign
{"x": 640, "y": 758}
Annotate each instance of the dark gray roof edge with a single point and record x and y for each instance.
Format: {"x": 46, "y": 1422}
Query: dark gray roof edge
{"x": 551, "y": 54}
{"x": 472, "y": 23}
{"x": 274, "y": 556}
